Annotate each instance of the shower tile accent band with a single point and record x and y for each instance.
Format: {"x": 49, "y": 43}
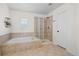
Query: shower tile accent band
{"x": 13, "y": 35}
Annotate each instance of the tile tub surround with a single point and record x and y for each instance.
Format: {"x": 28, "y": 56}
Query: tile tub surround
{"x": 5, "y": 38}
{"x": 0, "y": 51}
{"x": 18, "y": 47}
{"x": 13, "y": 35}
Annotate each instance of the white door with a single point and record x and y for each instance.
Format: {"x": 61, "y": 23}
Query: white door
{"x": 60, "y": 28}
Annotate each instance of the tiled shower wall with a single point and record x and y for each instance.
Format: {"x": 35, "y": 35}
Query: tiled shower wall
{"x": 48, "y": 28}
{"x": 43, "y": 26}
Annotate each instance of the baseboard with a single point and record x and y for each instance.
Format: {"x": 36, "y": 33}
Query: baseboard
{"x": 69, "y": 51}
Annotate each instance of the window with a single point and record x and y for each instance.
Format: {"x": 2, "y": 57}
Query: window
{"x": 23, "y": 23}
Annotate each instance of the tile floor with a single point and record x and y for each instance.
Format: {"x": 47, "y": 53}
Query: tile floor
{"x": 48, "y": 49}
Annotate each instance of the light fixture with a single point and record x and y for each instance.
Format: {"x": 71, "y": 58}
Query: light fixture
{"x": 50, "y": 4}
{"x": 7, "y": 22}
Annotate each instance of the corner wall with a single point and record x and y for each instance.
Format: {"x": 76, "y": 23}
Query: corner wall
{"x": 4, "y": 32}
{"x": 78, "y": 28}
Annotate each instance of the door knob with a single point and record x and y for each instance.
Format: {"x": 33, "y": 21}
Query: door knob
{"x": 57, "y": 30}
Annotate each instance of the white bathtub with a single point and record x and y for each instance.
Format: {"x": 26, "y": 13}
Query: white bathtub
{"x": 21, "y": 40}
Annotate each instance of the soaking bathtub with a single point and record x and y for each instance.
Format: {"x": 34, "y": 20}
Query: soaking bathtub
{"x": 20, "y": 44}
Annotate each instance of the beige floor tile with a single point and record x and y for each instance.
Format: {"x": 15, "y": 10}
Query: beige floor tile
{"x": 45, "y": 50}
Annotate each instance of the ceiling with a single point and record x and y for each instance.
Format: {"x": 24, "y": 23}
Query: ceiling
{"x": 40, "y": 8}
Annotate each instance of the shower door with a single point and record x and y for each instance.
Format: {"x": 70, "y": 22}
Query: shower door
{"x": 39, "y": 27}
{"x": 42, "y": 28}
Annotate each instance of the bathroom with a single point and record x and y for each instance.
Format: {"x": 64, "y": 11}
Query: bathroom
{"x": 38, "y": 29}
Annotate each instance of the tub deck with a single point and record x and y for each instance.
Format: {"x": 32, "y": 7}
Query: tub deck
{"x": 18, "y": 45}
{"x": 33, "y": 48}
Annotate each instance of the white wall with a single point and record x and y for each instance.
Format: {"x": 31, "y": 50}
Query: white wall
{"x": 78, "y": 28}
{"x": 16, "y": 17}
{"x": 66, "y": 23}
{"x": 4, "y": 12}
